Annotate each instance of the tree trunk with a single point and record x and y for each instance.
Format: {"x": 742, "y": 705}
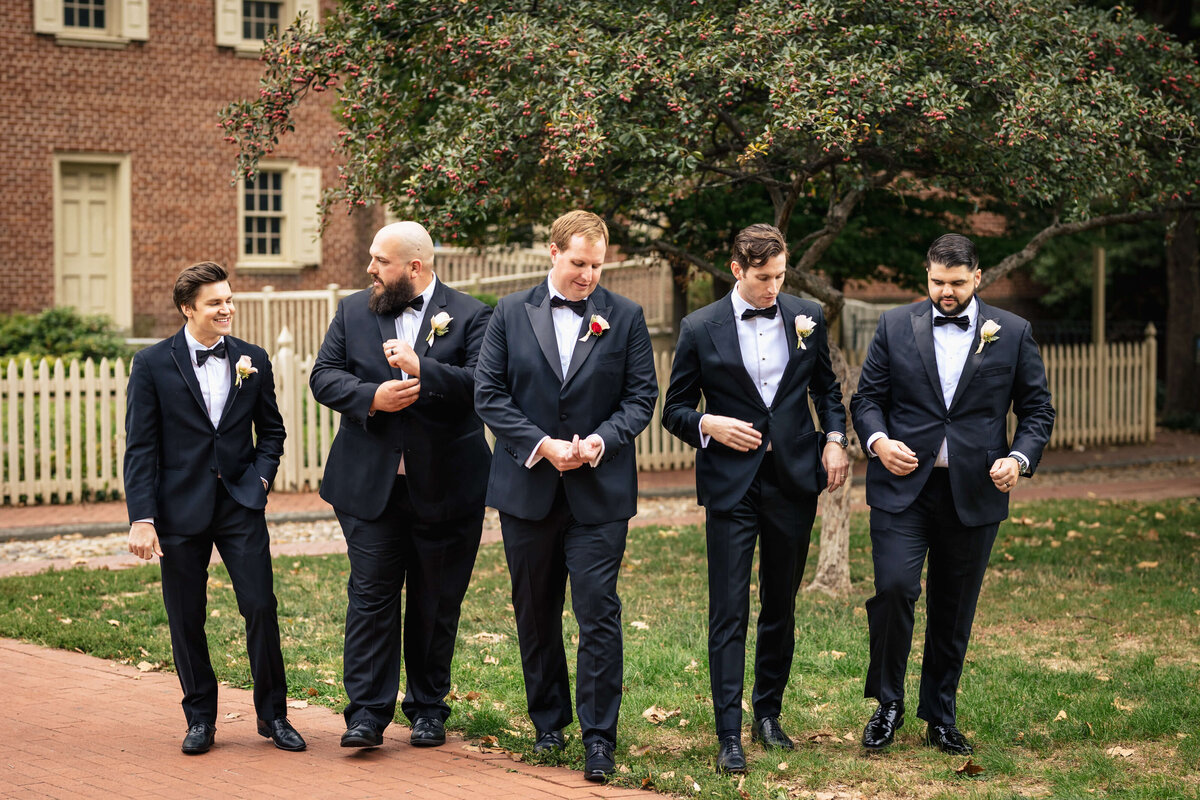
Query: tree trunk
{"x": 1183, "y": 318}
{"x": 833, "y": 561}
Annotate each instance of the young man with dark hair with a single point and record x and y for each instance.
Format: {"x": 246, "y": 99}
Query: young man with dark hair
{"x": 203, "y": 441}
{"x": 755, "y": 357}
{"x": 931, "y": 410}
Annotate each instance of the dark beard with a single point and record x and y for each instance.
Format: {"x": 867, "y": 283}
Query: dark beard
{"x": 393, "y": 297}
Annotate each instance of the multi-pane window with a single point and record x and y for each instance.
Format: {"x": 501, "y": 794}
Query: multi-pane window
{"x": 84, "y": 14}
{"x": 263, "y": 215}
{"x": 260, "y": 18}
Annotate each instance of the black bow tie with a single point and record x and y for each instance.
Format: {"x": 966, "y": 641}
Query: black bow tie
{"x": 578, "y": 306}
{"x": 962, "y": 322}
{"x": 416, "y": 304}
{"x": 769, "y": 312}
{"x": 203, "y": 355}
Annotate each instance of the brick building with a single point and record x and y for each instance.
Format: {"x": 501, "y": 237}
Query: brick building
{"x": 115, "y": 174}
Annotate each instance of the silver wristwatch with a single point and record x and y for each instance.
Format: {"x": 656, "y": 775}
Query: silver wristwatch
{"x": 837, "y": 438}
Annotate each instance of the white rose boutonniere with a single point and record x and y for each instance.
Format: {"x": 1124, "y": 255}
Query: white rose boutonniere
{"x": 805, "y": 325}
{"x": 244, "y": 369}
{"x": 438, "y": 326}
{"x": 989, "y": 333}
{"x": 596, "y": 327}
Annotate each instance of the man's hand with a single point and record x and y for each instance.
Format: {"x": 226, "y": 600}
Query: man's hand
{"x": 895, "y": 455}
{"x": 563, "y": 455}
{"x": 837, "y": 465}
{"x": 589, "y": 449}
{"x": 143, "y": 540}
{"x": 1004, "y": 473}
{"x": 401, "y": 356}
{"x": 731, "y": 432}
{"x": 395, "y": 395}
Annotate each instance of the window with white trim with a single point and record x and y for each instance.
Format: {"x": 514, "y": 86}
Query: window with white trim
{"x": 100, "y": 23}
{"x": 278, "y": 218}
{"x": 243, "y": 24}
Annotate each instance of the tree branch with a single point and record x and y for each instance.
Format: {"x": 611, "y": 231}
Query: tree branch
{"x": 666, "y": 248}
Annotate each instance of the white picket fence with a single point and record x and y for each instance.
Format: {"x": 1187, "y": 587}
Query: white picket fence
{"x": 62, "y": 425}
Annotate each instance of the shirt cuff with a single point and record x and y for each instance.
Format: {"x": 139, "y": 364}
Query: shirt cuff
{"x": 875, "y": 437}
{"x": 145, "y": 519}
{"x": 1023, "y": 463}
{"x": 535, "y": 456}
{"x": 704, "y": 437}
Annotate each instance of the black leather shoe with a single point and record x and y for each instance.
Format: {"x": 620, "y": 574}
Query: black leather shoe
{"x": 549, "y": 741}
{"x": 600, "y": 762}
{"x": 281, "y": 732}
{"x": 882, "y": 727}
{"x": 731, "y": 758}
{"x": 948, "y": 739}
{"x": 768, "y": 731}
{"x": 199, "y": 739}
{"x": 363, "y": 733}
{"x": 427, "y": 732}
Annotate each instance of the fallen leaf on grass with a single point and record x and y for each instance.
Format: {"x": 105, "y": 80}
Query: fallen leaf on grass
{"x": 692, "y": 781}
{"x": 1119, "y": 706}
{"x": 781, "y": 766}
{"x": 473, "y": 696}
{"x": 494, "y": 638}
{"x": 668, "y": 533}
{"x": 116, "y": 623}
{"x": 1100, "y": 676}
{"x": 491, "y": 660}
{"x": 65, "y": 620}
{"x": 1074, "y": 535}
{"x": 1147, "y": 564}
{"x": 638, "y": 751}
{"x": 144, "y": 666}
{"x": 1159, "y": 515}
{"x": 328, "y": 681}
{"x": 1116, "y": 751}
{"x": 624, "y": 770}
{"x": 639, "y": 625}
{"x": 297, "y": 704}
{"x": 311, "y": 692}
{"x": 517, "y": 756}
{"x": 820, "y": 737}
{"x": 665, "y": 775}
{"x": 655, "y": 715}
{"x": 969, "y": 768}
{"x": 849, "y": 737}
{"x": 1060, "y": 716}
{"x": 691, "y": 667}
{"x": 216, "y": 612}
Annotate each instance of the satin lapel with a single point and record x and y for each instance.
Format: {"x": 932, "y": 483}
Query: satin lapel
{"x": 789, "y": 315}
{"x": 543, "y": 328}
{"x": 583, "y": 349}
{"x": 973, "y": 358}
{"x": 436, "y": 303}
{"x": 232, "y": 354}
{"x": 387, "y": 330}
{"x": 183, "y": 360}
{"x": 723, "y": 331}
{"x": 922, "y": 326}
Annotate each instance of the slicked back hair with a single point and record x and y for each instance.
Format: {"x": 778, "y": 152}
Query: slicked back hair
{"x": 953, "y": 250}
{"x": 188, "y": 284}
{"x": 757, "y": 244}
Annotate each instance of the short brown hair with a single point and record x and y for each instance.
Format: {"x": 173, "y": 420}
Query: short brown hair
{"x": 756, "y": 245}
{"x": 188, "y": 284}
{"x": 578, "y": 223}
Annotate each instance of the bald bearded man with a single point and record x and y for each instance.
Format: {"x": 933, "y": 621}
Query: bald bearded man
{"x": 406, "y": 475}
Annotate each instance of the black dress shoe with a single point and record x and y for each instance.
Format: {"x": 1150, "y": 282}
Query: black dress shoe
{"x": 600, "y": 762}
{"x": 427, "y": 732}
{"x": 199, "y": 739}
{"x": 948, "y": 739}
{"x": 882, "y": 727}
{"x": 731, "y": 758}
{"x": 363, "y": 733}
{"x": 549, "y": 741}
{"x": 281, "y": 732}
{"x": 768, "y": 731}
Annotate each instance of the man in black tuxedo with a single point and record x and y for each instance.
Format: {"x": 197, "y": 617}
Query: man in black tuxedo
{"x": 755, "y": 357}
{"x": 931, "y": 406}
{"x": 406, "y": 476}
{"x": 566, "y": 382}
{"x": 203, "y": 440}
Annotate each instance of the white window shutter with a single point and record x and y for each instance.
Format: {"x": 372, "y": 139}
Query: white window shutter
{"x": 310, "y": 7}
{"x": 229, "y": 22}
{"x": 47, "y": 16}
{"x": 303, "y": 217}
{"x": 135, "y": 23}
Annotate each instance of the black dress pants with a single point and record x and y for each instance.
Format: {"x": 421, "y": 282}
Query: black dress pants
{"x": 541, "y": 555}
{"x": 958, "y": 555}
{"x": 240, "y": 535}
{"x": 781, "y": 524}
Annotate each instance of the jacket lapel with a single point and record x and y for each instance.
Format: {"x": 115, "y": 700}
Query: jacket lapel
{"x": 387, "y": 330}
{"x": 538, "y": 309}
{"x": 583, "y": 349}
{"x": 722, "y": 329}
{"x": 183, "y": 360}
{"x": 788, "y": 313}
{"x": 974, "y": 357}
{"x": 922, "y": 326}
{"x": 437, "y": 303}
{"x": 232, "y": 354}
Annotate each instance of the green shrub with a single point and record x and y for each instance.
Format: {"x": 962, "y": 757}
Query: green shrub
{"x": 59, "y": 333}
{"x": 486, "y": 298}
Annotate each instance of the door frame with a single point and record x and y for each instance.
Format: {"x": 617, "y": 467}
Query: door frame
{"x": 122, "y": 234}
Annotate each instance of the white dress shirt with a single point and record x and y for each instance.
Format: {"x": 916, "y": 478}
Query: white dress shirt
{"x": 213, "y": 377}
{"x": 408, "y": 325}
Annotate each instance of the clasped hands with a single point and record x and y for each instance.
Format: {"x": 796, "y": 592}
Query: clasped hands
{"x": 899, "y": 459}
{"x": 740, "y": 435}
{"x": 565, "y": 456}
{"x": 395, "y": 395}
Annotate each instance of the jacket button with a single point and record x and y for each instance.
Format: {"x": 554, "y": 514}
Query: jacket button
{"x": 562, "y": 416}
{"x": 217, "y": 435}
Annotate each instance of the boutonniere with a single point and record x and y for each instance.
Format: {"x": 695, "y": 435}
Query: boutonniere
{"x": 438, "y": 326}
{"x": 990, "y": 332}
{"x": 244, "y": 369}
{"x": 805, "y": 325}
{"x": 596, "y": 327}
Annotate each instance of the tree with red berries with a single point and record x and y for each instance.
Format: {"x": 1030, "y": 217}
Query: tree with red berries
{"x": 480, "y": 117}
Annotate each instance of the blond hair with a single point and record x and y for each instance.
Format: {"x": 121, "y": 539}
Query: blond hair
{"x": 578, "y": 223}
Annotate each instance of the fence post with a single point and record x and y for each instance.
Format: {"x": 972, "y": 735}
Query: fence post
{"x": 1151, "y": 379}
{"x": 266, "y": 315}
{"x": 289, "y": 405}
{"x": 330, "y": 304}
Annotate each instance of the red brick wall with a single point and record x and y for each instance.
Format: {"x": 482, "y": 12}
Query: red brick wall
{"x": 156, "y": 101}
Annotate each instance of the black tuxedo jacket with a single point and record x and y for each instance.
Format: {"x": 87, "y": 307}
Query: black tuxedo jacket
{"x": 708, "y": 363}
{"x": 441, "y": 438}
{"x": 610, "y": 389}
{"x": 173, "y": 455}
{"x": 900, "y": 395}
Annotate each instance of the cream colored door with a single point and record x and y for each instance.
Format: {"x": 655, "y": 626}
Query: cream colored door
{"x": 87, "y": 278}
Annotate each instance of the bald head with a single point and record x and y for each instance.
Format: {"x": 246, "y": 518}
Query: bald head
{"x": 401, "y": 264}
{"x": 407, "y": 241}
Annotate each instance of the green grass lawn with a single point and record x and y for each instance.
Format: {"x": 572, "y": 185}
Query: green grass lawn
{"x": 1082, "y": 680}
